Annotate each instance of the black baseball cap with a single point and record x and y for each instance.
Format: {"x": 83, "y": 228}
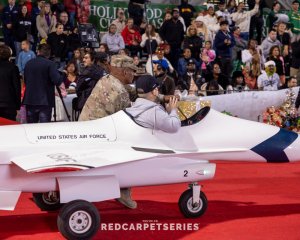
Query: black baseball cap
{"x": 146, "y": 83}
{"x": 191, "y": 61}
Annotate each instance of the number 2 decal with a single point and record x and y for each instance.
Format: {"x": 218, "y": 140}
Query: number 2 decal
{"x": 185, "y": 173}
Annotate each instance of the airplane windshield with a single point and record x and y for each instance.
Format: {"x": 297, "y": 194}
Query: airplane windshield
{"x": 197, "y": 117}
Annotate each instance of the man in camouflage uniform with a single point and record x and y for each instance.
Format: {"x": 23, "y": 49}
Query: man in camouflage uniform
{"x": 109, "y": 96}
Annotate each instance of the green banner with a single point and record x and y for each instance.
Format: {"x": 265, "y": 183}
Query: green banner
{"x": 102, "y": 13}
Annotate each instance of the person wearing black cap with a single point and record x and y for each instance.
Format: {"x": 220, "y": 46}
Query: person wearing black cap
{"x": 148, "y": 113}
{"x": 224, "y": 42}
{"x": 166, "y": 83}
{"x": 191, "y": 80}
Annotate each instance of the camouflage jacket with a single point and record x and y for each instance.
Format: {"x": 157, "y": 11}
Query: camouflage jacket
{"x": 108, "y": 96}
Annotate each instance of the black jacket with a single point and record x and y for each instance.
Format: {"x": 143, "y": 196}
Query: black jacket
{"x": 295, "y": 55}
{"x": 21, "y": 27}
{"x": 195, "y": 44}
{"x": 10, "y": 90}
{"x": 184, "y": 82}
{"x": 86, "y": 83}
{"x": 73, "y": 42}
{"x": 166, "y": 84}
{"x": 297, "y": 103}
{"x": 223, "y": 50}
{"x": 40, "y": 77}
{"x": 186, "y": 12}
{"x": 172, "y": 32}
{"x": 222, "y": 80}
{"x": 59, "y": 45}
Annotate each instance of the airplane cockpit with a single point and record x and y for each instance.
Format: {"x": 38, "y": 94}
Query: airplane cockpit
{"x": 197, "y": 117}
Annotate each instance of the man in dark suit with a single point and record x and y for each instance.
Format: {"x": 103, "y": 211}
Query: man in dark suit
{"x": 223, "y": 44}
{"x": 40, "y": 77}
{"x": 9, "y": 13}
{"x": 10, "y": 90}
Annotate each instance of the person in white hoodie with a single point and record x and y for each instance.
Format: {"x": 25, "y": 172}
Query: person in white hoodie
{"x": 242, "y": 18}
{"x": 148, "y": 113}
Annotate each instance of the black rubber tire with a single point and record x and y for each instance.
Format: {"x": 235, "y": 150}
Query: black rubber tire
{"x": 87, "y": 209}
{"x": 46, "y": 204}
{"x": 185, "y": 201}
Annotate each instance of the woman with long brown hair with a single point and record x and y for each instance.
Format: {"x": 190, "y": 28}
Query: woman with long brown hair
{"x": 45, "y": 22}
{"x": 71, "y": 76}
{"x": 150, "y": 39}
{"x": 275, "y": 56}
{"x": 252, "y": 58}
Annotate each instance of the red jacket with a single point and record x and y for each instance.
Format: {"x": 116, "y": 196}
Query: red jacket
{"x": 28, "y": 4}
{"x": 130, "y": 37}
{"x": 70, "y": 6}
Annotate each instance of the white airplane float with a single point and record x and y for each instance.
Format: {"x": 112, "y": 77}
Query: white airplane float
{"x": 69, "y": 165}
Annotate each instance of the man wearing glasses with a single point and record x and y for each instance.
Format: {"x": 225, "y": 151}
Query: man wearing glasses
{"x": 64, "y": 20}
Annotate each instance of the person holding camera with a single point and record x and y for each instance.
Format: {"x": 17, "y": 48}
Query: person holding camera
{"x": 150, "y": 114}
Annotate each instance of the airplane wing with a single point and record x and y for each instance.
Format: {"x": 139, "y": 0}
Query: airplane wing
{"x": 63, "y": 161}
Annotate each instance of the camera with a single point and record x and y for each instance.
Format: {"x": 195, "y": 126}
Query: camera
{"x": 88, "y": 35}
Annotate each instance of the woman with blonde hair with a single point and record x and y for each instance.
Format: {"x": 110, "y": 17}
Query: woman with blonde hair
{"x": 202, "y": 29}
{"x": 193, "y": 42}
{"x": 45, "y": 22}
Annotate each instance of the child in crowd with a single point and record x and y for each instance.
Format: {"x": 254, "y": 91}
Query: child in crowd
{"x": 137, "y": 61}
{"x": 238, "y": 83}
{"x": 77, "y": 59}
{"x": 24, "y": 56}
{"x": 208, "y": 55}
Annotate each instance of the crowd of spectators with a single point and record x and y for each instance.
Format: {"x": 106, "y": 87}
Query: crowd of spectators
{"x": 218, "y": 50}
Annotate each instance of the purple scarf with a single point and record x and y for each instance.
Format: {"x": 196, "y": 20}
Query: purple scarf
{"x": 48, "y": 20}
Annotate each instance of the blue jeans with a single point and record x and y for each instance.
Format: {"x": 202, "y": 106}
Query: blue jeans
{"x": 18, "y": 48}
{"x": 35, "y": 114}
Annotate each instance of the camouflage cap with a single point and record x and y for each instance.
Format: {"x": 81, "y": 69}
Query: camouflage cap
{"x": 123, "y": 61}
